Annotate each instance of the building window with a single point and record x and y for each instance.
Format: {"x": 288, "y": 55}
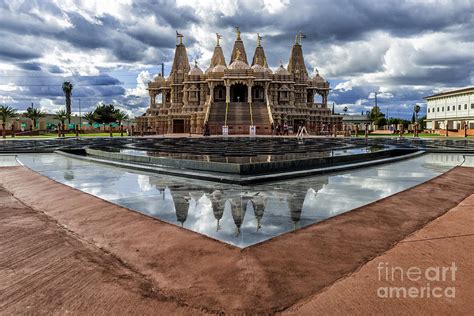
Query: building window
{"x": 465, "y": 106}
{"x": 472, "y": 106}
{"x": 428, "y": 110}
{"x": 437, "y": 109}
{"x": 459, "y": 107}
{"x": 442, "y": 109}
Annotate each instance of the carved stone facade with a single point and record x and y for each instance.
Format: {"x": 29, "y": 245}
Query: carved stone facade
{"x": 238, "y": 95}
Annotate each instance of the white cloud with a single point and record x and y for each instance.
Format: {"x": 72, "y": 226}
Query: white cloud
{"x": 48, "y": 106}
{"x": 8, "y": 87}
{"x": 142, "y": 84}
{"x": 275, "y": 6}
{"x": 344, "y": 86}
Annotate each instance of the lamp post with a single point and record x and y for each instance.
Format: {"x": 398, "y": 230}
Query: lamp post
{"x": 80, "y": 115}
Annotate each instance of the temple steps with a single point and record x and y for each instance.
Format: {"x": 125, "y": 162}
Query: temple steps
{"x": 238, "y": 117}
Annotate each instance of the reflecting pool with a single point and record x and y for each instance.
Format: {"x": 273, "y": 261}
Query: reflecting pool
{"x": 242, "y": 216}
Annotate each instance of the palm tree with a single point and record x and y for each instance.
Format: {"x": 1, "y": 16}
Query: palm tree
{"x": 105, "y": 114}
{"x": 121, "y": 116}
{"x": 34, "y": 115}
{"x": 6, "y": 113}
{"x": 67, "y": 89}
{"x": 62, "y": 116}
{"x": 90, "y": 117}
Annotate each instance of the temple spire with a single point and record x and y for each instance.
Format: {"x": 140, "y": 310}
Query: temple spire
{"x": 238, "y": 46}
{"x": 296, "y": 64}
{"x": 259, "y": 57}
{"x": 218, "y": 55}
{"x": 180, "y": 61}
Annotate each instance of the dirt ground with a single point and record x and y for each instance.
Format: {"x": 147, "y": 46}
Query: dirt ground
{"x": 66, "y": 250}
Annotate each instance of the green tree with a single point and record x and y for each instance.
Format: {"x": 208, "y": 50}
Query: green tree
{"x": 417, "y": 110}
{"x": 376, "y": 116}
{"x": 34, "y": 114}
{"x": 106, "y": 114}
{"x": 62, "y": 116}
{"x": 121, "y": 116}
{"x": 67, "y": 89}
{"x": 6, "y": 113}
{"x": 421, "y": 121}
{"x": 90, "y": 117}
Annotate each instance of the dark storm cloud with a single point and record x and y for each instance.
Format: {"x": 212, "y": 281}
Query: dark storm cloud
{"x": 347, "y": 20}
{"x": 30, "y": 30}
{"x": 55, "y": 69}
{"x": 12, "y": 51}
{"x": 29, "y": 66}
{"x": 167, "y": 13}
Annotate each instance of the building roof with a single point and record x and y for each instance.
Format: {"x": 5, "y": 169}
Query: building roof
{"x": 450, "y": 92}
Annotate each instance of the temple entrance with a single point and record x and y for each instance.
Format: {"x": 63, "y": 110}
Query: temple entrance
{"x": 178, "y": 126}
{"x": 238, "y": 93}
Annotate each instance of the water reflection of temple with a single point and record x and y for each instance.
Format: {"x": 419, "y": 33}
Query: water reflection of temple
{"x": 232, "y": 210}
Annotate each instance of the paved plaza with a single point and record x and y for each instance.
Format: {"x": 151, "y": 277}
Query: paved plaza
{"x": 86, "y": 247}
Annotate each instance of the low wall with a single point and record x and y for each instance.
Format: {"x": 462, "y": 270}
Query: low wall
{"x": 455, "y": 133}
{"x": 247, "y": 168}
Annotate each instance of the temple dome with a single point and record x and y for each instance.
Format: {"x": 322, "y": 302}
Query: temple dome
{"x": 238, "y": 65}
{"x": 159, "y": 78}
{"x": 317, "y": 78}
{"x": 259, "y": 68}
{"x": 281, "y": 71}
{"x": 218, "y": 68}
{"x": 195, "y": 71}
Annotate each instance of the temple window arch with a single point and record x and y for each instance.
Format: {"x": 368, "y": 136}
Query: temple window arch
{"x": 258, "y": 93}
{"x": 219, "y": 93}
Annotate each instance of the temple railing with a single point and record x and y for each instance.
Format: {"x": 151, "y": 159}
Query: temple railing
{"x": 269, "y": 108}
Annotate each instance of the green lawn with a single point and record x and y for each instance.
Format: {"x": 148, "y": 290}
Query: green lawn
{"x": 55, "y": 135}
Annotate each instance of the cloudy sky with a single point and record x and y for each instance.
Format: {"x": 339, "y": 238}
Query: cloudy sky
{"x": 403, "y": 50}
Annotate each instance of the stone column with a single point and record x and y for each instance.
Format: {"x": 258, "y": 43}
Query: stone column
{"x": 163, "y": 98}
{"x": 170, "y": 126}
{"x": 193, "y": 124}
{"x": 249, "y": 100}
{"x": 227, "y": 101}
{"x": 152, "y": 94}
{"x": 227, "y": 93}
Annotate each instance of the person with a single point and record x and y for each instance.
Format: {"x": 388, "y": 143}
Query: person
{"x": 285, "y": 128}
{"x": 278, "y": 129}
{"x": 272, "y": 128}
{"x": 207, "y": 131}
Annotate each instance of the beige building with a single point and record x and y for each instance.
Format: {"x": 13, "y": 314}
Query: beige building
{"x": 451, "y": 109}
{"x": 237, "y": 95}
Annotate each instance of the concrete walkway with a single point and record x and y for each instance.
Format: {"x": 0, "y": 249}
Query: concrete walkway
{"x": 61, "y": 249}
{"x": 445, "y": 241}
{"x": 46, "y": 269}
